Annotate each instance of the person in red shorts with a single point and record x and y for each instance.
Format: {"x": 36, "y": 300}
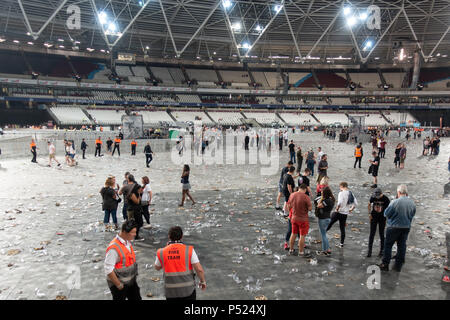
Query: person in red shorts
{"x": 301, "y": 205}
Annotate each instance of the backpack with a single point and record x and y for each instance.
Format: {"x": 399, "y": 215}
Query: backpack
{"x": 351, "y": 198}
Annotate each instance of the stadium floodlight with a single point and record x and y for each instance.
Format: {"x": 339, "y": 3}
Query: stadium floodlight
{"x": 147, "y": 48}
{"x": 246, "y": 45}
{"x": 61, "y": 40}
{"x": 401, "y": 55}
{"x": 236, "y": 26}
{"x": 103, "y": 17}
{"x": 278, "y": 8}
{"x": 259, "y": 28}
{"x": 30, "y": 43}
{"x": 62, "y": 47}
{"x": 90, "y": 49}
{"x": 227, "y": 4}
{"x": 368, "y": 45}
{"x": 214, "y": 52}
{"x": 16, "y": 41}
{"x": 363, "y": 16}
{"x": 351, "y": 21}
{"x": 347, "y": 11}
{"x": 112, "y": 27}
{"x": 2, "y": 39}
{"x": 141, "y": 3}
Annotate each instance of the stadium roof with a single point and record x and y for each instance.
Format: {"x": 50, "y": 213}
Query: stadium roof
{"x": 311, "y": 31}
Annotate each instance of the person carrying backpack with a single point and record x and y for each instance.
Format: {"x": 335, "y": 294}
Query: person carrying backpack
{"x": 345, "y": 205}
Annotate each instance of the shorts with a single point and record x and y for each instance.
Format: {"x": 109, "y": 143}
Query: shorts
{"x": 186, "y": 186}
{"x": 402, "y": 160}
{"x": 280, "y": 187}
{"x": 375, "y": 173}
{"x": 52, "y": 156}
{"x": 301, "y": 228}
{"x": 72, "y": 156}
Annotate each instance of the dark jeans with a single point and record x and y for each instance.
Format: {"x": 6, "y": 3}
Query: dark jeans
{"x": 133, "y": 150}
{"x": 288, "y": 234}
{"x": 381, "y": 223}
{"x": 399, "y": 235}
{"x": 84, "y": 152}
{"x": 357, "y": 159}
{"x": 381, "y": 152}
{"x": 299, "y": 164}
{"x": 310, "y": 165}
{"x": 112, "y": 213}
{"x": 148, "y": 159}
{"x": 293, "y": 156}
{"x": 135, "y": 212}
{"x": 34, "y": 156}
{"x": 98, "y": 150}
{"x": 146, "y": 214}
{"x": 124, "y": 211}
{"x": 130, "y": 292}
{"x": 116, "y": 147}
{"x": 193, "y": 296}
{"x": 342, "y": 218}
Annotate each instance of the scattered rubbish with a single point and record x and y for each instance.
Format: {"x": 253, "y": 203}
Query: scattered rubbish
{"x": 13, "y": 252}
{"x": 149, "y": 294}
{"x": 262, "y": 297}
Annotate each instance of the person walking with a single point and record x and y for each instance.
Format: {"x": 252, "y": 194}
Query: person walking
{"x": 301, "y": 205}
{"x": 110, "y": 202}
{"x": 186, "y": 185}
{"x": 98, "y": 147}
{"x": 346, "y": 204}
{"x": 288, "y": 188}
{"x": 83, "y": 147}
{"x": 310, "y": 160}
{"x": 52, "y": 154}
{"x": 322, "y": 168}
{"x": 120, "y": 265}
{"x": 148, "y": 154}
{"x": 358, "y": 155}
{"x": 397, "y": 155}
{"x": 292, "y": 151}
{"x": 133, "y": 147}
{"x": 324, "y": 206}
{"x": 402, "y": 155}
{"x": 116, "y": 146}
{"x": 299, "y": 159}
{"x": 373, "y": 169}
{"x": 399, "y": 214}
{"x": 280, "y": 183}
{"x": 146, "y": 198}
{"x": 377, "y": 205}
{"x": 246, "y": 141}
{"x": 33, "y": 149}
{"x": 178, "y": 262}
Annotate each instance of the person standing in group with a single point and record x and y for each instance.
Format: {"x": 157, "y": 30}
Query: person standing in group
{"x": 148, "y": 154}
{"x": 178, "y": 262}
{"x": 402, "y": 155}
{"x": 310, "y": 161}
{"x": 426, "y": 146}
{"x": 299, "y": 159}
{"x": 33, "y": 149}
{"x": 301, "y": 205}
{"x": 280, "y": 140}
{"x": 109, "y": 144}
{"x": 322, "y": 168}
{"x": 377, "y": 205}
{"x": 70, "y": 151}
{"x": 110, "y": 202}
{"x": 358, "y": 155}
{"x": 324, "y": 182}
{"x": 83, "y": 147}
{"x": 320, "y": 153}
{"x": 285, "y": 137}
{"x": 382, "y": 149}
{"x": 186, "y": 185}
{"x": 116, "y": 146}
{"x": 146, "y": 198}
{"x": 134, "y": 209}
{"x": 303, "y": 179}
{"x": 288, "y": 188}
{"x": 346, "y": 204}
{"x": 120, "y": 265}
{"x": 98, "y": 147}
{"x": 373, "y": 169}
{"x": 125, "y": 190}
{"x": 52, "y": 154}
{"x": 324, "y": 206}
{"x": 397, "y": 155}
{"x": 280, "y": 183}
{"x": 133, "y": 147}
{"x": 399, "y": 214}
{"x": 292, "y": 151}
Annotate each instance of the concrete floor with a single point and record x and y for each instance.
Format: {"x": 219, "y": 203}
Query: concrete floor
{"x": 234, "y": 227}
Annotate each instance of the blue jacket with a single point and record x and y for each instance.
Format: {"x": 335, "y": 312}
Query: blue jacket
{"x": 400, "y": 213}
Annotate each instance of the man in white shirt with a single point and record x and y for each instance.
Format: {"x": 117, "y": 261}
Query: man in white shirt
{"x": 52, "y": 154}
{"x": 120, "y": 264}
{"x": 320, "y": 153}
{"x": 345, "y": 205}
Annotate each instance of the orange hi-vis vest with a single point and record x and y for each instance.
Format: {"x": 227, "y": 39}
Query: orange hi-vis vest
{"x": 175, "y": 260}
{"x": 126, "y": 268}
{"x": 133, "y": 143}
{"x": 358, "y": 153}
{"x": 32, "y": 145}
{"x": 117, "y": 141}
{"x": 98, "y": 141}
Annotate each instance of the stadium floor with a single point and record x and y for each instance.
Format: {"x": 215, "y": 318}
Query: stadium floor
{"x": 51, "y": 233}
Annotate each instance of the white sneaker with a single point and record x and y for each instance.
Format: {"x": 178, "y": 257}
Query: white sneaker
{"x": 339, "y": 245}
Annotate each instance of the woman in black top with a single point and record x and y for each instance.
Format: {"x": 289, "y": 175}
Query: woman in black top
{"x": 109, "y": 204}
{"x": 186, "y": 185}
{"x": 397, "y": 155}
{"x": 324, "y": 206}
